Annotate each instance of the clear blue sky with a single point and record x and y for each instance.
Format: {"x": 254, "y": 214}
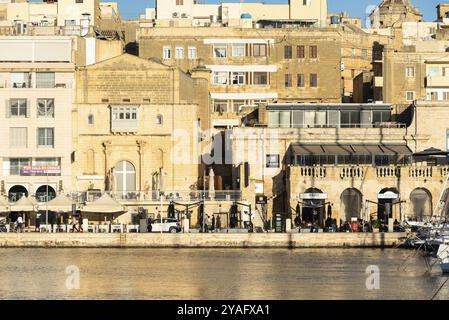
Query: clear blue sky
{"x": 132, "y": 8}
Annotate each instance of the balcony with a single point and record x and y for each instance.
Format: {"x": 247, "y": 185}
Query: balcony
{"x": 154, "y": 196}
{"x": 437, "y": 81}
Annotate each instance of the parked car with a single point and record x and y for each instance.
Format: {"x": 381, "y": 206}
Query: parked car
{"x": 165, "y": 225}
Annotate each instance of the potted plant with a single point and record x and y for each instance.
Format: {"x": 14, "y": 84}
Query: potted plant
{"x": 376, "y": 225}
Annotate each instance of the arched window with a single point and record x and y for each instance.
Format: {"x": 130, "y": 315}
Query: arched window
{"x": 45, "y": 193}
{"x": 125, "y": 176}
{"x": 159, "y": 119}
{"x": 90, "y": 119}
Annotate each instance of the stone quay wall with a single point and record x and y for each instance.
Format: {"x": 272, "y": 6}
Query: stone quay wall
{"x": 254, "y": 240}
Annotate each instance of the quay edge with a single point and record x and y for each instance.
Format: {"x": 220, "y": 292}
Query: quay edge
{"x": 254, "y": 240}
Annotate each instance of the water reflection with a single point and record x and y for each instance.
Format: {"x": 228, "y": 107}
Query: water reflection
{"x": 214, "y": 274}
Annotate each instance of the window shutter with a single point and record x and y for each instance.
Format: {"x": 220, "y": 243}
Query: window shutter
{"x": 7, "y": 108}
{"x": 28, "y": 108}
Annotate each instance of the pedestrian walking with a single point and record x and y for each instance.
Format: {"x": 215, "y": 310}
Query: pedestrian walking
{"x": 218, "y": 223}
{"x": 80, "y": 224}
{"x": 38, "y": 224}
{"x": 74, "y": 222}
{"x": 212, "y": 226}
{"x": 149, "y": 225}
{"x": 206, "y": 224}
{"x": 19, "y": 224}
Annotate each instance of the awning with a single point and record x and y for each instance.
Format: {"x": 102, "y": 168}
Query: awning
{"x": 350, "y": 149}
{"x": 105, "y": 204}
{"x": 59, "y": 204}
{"x": 24, "y": 204}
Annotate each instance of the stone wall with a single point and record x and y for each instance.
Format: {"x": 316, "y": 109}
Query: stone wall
{"x": 254, "y": 240}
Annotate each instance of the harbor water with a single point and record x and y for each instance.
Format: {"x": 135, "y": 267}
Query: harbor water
{"x": 206, "y": 274}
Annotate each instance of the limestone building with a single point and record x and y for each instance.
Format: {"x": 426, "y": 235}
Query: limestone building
{"x": 134, "y": 128}
{"x": 392, "y": 13}
{"x": 36, "y": 94}
{"x": 194, "y": 13}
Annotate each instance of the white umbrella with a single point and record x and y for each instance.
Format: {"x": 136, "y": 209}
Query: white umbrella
{"x": 105, "y": 204}
{"x": 59, "y": 204}
{"x": 24, "y": 204}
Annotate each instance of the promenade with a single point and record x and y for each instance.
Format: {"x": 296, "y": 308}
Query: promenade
{"x": 192, "y": 240}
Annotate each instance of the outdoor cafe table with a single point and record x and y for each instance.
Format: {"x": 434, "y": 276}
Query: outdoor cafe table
{"x": 103, "y": 228}
{"x": 117, "y": 228}
{"x": 60, "y": 228}
{"x": 45, "y": 228}
{"x": 132, "y": 228}
{"x": 92, "y": 228}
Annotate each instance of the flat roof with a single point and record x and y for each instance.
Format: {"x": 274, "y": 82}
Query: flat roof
{"x": 309, "y": 106}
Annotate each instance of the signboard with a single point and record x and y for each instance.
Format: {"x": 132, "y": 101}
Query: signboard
{"x": 389, "y": 195}
{"x": 313, "y": 196}
{"x": 261, "y": 200}
{"x": 40, "y": 170}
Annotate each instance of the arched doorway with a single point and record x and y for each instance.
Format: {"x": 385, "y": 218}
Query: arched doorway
{"x": 351, "y": 201}
{"x": 313, "y": 206}
{"x": 17, "y": 192}
{"x": 387, "y": 197}
{"x": 421, "y": 200}
{"x": 125, "y": 177}
{"x": 45, "y": 193}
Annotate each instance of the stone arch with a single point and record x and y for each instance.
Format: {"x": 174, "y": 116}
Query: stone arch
{"x": 351, "y": 200}
{"x": 421, "y": 203}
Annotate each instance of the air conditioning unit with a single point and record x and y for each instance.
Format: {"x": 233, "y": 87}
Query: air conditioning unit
{"x": 184, "y": 15}
{"x": 175, "y": 14}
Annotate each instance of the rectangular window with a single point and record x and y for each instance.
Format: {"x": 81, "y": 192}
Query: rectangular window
{"x": 220, "y": 51}
{"x": 272, "y": 161}
{"x": 288, "y": 80}
{"x": 237, "y": 104}
{"x": 220, "y": 77}
{"x": 287, "y": 52}
{"x": 179, "y": 53}
{"x": 313, "y": 52}
{"x": 238, "y": 50}
{"x": 18, "y": 137}
{"x": 16, "y": 164}
{"x": 45, "y": 108}
{"x": 445, "y": 71}
{"x": 18, "y": 108}
{"x": 446, "y": 95}
{"x": 192, "y": 53}
{"x": 20, "y": 80}
{"x": 220, "y": 106}
{"x": 410, "y": 95}
{"x": 410, "y": 72}
{"x": 46, "y": 137}
{"x": 301, "y": 52}
{"x": 260, "y": 78}
{"x": 313, "y": 80}
{"x": 124, "y": 119}
{"x": 301, "y": 81}
{"x": 166, "y": 53}
{"x": 238, "y": 78}
{"x": 179, "y": 2}
{"x": 45, "y": 80}
{"x": 433, "y": 96}
{"x": 259, "y": 50}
